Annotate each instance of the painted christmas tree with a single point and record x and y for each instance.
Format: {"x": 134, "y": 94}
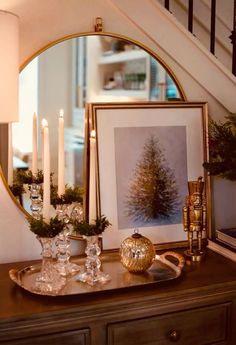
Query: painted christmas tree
{"x": 153, "y": 194}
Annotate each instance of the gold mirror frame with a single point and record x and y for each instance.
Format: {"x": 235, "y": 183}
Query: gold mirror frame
{"x": 83, "y": 34}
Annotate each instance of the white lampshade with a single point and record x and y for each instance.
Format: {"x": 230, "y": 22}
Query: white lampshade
{"x": 9, "y": 67}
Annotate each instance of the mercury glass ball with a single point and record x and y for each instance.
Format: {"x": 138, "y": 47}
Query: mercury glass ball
{"x": 137, "y": 253}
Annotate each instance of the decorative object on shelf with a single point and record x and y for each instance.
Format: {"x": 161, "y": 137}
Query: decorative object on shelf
{"x": 222, "y": 144}
{"x": 194, "y": 218}
{"x": 91, "y": 232}
{"x": 63, "y": 264}
{"x": 48, "y": 278}
{"x": 137, "y": 253}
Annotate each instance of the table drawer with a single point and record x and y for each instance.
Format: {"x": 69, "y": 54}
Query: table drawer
{"x": 207, "y": 325}
{"x": 78, "y": 337}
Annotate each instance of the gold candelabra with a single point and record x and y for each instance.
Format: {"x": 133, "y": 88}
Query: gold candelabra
{"x": 194, "y": 219}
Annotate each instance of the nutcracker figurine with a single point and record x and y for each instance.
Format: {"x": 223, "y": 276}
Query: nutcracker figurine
{"x": 194, "y": 218}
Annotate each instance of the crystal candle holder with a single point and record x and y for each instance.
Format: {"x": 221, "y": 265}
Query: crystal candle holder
{"x": 63, "y": 264}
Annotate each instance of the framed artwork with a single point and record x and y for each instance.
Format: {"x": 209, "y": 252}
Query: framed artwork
{"x": 146, "y": 154}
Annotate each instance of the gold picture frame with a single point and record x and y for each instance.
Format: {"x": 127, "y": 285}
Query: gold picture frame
{"x": 178, "y": 133}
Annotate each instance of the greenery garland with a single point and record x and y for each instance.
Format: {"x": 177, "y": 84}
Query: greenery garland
{"x": 86, "y": 229}
{"x": 21, "y": 177}
{"x": 17, "y": 189}
{"x": 27, "y": 177}
{"x": 72, "y": 194}
{"x": 222, "y": 148}
{"x": 42, "y": 229}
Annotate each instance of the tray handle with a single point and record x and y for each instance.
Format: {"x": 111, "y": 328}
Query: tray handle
{"x": 179, "y": 257}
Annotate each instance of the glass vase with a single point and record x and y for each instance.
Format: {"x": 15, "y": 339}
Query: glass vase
{"x": 36, "y": 200}
{"x": 63, "y": 264}
{"x": 93, "y": 274}
{"x": 48, "y": 280}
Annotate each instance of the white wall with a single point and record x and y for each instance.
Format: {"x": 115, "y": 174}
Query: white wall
{"x": 43, "y": 21}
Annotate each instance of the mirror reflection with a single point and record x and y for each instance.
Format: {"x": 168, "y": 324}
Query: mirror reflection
{"x": 85, "y": 69}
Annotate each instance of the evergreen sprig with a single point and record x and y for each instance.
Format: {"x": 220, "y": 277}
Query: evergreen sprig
{"x": 222, "y": 148}
{"x": 17, "y": 189}
{"x": 27, "y": 177}
{"x": 72, "y": 194}
{"x": 41, "y": 228}
{"x": 86, "y": 229}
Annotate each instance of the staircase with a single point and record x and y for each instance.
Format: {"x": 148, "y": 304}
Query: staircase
{"x": 165, "y": 30}
{"x": 212, "y": 22}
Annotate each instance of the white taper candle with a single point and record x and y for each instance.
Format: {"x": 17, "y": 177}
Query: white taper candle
{"x": 46, "y": 171}
{"x": 92, "y": 178}
{"x": 34, "y": 146}
{"x": 61, "y": 155}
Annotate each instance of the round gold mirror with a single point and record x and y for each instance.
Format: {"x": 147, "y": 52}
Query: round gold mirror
{"x": 89, "y": 68}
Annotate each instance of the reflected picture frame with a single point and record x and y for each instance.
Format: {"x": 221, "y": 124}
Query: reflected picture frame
{"x": 126, "y": 136}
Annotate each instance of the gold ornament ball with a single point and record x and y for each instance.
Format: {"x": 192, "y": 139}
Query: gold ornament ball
{"x": 137, "y": 253}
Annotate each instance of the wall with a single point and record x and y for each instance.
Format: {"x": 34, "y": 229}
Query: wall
{"x": 202, "y": 78}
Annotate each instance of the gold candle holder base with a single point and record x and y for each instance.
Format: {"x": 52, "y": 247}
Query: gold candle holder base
{"x": 195, "y": 255}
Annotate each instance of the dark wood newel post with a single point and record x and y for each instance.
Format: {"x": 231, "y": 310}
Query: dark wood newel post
{"x": 233, "y": 41}
{"x": 213, "y": 26}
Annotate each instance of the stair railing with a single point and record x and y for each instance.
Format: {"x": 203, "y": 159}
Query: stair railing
{"x": 213, "y": 27}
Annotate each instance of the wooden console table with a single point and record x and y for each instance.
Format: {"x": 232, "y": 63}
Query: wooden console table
{"x": 197, "y": 308}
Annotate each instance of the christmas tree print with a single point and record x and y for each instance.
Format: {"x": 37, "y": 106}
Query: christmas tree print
{"x": 153, "y": 194}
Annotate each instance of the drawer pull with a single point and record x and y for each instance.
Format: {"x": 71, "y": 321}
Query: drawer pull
{"x": 174, "y": 335}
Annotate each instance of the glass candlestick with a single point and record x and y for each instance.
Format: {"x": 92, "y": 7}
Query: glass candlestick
{"x": 93, "y": 274}
{"x": 77, "y": 212}
{"x": 48, "y": 279}
{"x": 36, "y": 200}
{"x": 63, "y": 264}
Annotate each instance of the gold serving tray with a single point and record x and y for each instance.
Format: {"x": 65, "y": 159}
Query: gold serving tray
{"x": 161, "y": 270}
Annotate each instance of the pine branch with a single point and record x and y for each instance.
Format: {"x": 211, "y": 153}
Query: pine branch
{"x": 86, "y": 229}
{"x": 222, "y": 148}
{"x": 43, "y": 229}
